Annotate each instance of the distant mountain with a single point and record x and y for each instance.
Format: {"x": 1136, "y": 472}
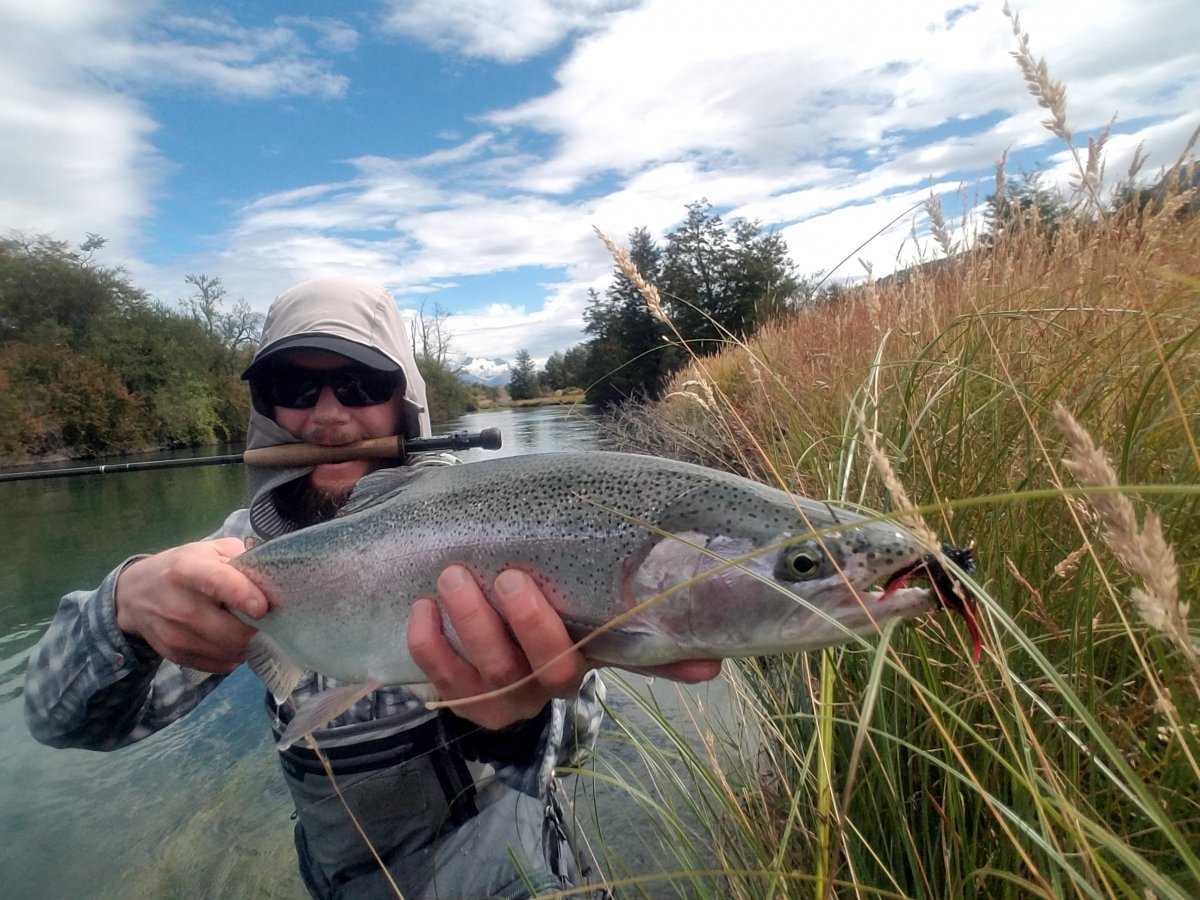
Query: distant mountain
{"x": 494, "y": 372}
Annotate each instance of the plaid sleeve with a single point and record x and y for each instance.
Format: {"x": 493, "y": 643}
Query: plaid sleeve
{"x": 89, "y": 685}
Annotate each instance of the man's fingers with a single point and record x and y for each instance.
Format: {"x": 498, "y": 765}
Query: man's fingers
{"x": 180, "y": 602}
{"x": 693, "y": 671}
{"x": 434, "y": 655}
{"x": 228, "y": 548}
{"x": 485, "y": 639}
{"x": 208, "y": 573}
{"x": 540, "y": 631}
{"x": 207, "y": 638}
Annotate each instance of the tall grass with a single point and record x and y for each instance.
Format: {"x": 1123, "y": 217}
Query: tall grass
{"x": 1040, "y": 399}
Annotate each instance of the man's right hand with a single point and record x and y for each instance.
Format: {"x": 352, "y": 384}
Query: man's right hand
{"x": 179, "y": 602}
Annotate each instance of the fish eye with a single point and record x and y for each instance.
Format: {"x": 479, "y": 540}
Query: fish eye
{"x": 799, "y": 563}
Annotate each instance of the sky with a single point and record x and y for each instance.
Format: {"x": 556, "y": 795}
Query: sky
{"x": 462, "y": 151}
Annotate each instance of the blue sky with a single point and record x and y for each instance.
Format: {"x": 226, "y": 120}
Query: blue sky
{"x": 461, "y": 151}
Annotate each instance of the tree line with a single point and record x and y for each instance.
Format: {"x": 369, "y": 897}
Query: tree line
{"x": 720, "y": 283}
{"x": 90, "y": 365}
{"x": 717, "y": 283}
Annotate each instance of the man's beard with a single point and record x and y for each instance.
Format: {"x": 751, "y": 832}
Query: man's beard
{"x": 306, "y": 505}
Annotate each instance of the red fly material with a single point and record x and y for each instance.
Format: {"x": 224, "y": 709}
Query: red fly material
{"x": 951, "y": 593}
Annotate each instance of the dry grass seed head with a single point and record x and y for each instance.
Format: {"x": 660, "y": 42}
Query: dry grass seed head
{"x": 1050, "y": 95}
{"x": 1144, "y": 552}
{"x": 907, "y": 512}
{"x": 648, "y": 291}
{"x": 870, "y": 295}
{"x": 937, "y": 225}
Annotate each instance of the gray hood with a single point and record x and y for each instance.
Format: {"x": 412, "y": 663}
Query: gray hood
{"x": 350, "y": 316}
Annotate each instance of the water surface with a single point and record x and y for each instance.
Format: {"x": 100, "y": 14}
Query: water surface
{"x": 199, "y": 809}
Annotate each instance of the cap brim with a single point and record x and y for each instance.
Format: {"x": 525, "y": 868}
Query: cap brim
{"x": 359, "y": 353}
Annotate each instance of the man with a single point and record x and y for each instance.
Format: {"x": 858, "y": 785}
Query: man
{"x": 452, "y": 804}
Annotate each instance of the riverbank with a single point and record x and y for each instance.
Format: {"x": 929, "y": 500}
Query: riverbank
{"x": 559, "y": 398}
{"x": 10, "y": 464}
{"x": 7, "y": 463}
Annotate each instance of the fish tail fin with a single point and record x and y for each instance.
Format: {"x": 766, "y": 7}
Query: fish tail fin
{"x": 321, "y": 709}
{"x": 268, "y": 661}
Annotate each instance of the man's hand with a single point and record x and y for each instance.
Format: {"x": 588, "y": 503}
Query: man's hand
{"x": 493, "y": 658}
{"x": 178, "y": 601}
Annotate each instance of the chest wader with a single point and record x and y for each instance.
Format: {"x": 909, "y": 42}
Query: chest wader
{"x": 441, "y": 822}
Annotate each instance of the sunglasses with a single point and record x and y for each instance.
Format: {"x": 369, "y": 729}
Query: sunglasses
{"x": 301, "y": 388}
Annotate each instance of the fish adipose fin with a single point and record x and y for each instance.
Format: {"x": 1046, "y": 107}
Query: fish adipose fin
{"x": 272, "y": 666}
{"x": 322, "y": 709}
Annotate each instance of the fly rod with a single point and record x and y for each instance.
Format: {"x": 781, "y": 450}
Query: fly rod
{"x": 393, "y": 447}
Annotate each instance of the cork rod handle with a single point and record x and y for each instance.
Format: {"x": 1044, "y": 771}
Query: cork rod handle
{"x": 310, "y": 454}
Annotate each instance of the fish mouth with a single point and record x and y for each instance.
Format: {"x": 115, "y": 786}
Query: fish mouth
{"x": 949, "y": 592}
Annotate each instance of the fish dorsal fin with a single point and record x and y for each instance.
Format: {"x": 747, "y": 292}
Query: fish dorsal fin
{"x": 322, "y": 709}
{"x": 377, "y": 486}
{"x": 272, "y": 666}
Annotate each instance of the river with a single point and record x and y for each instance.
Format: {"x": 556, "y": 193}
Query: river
{"x": 199, "y": 809}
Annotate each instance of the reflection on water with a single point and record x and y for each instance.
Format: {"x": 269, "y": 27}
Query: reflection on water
{"x": 198, "y": 809}
{"x": 542, "y": 429}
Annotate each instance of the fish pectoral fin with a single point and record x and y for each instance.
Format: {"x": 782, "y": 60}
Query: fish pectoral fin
{"x": 268, "y": 661}
{"x": 322, "y": 709}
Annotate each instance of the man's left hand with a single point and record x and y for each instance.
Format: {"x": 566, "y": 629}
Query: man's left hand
{"x": 502, "y": 646}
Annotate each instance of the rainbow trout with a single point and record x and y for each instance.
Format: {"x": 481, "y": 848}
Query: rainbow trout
{"x": 740, "y": 568}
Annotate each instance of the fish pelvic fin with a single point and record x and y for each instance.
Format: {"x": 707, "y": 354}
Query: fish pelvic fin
{"x": 268, "y": 661}
{"x": 322, "y": 709}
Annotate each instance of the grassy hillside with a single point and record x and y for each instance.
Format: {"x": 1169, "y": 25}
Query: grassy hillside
{"x": 1040, "y": 400}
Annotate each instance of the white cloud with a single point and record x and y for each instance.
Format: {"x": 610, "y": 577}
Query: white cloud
{"x": 828, "y": 124}
{"x": 217, "y": 54}
{"x": 509, "y": 31}
{"x": 825, "y": 122}
{"x": 768, "y": 87}
{"x": 760, "y": 84}
{"x": 74, "y": 72}
{"x": 332, "y": 35}
{"x": 503, "y": 330}
{"x": 76, "y": 157}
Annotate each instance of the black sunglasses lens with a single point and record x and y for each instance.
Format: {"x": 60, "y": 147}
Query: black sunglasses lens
{"x": 365, "y": 388}
{"x": 301, "y": 389}
{"x": 291, "y": 390}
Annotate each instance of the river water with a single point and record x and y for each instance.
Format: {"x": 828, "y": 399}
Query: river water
{"x": 199, "y": 809}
